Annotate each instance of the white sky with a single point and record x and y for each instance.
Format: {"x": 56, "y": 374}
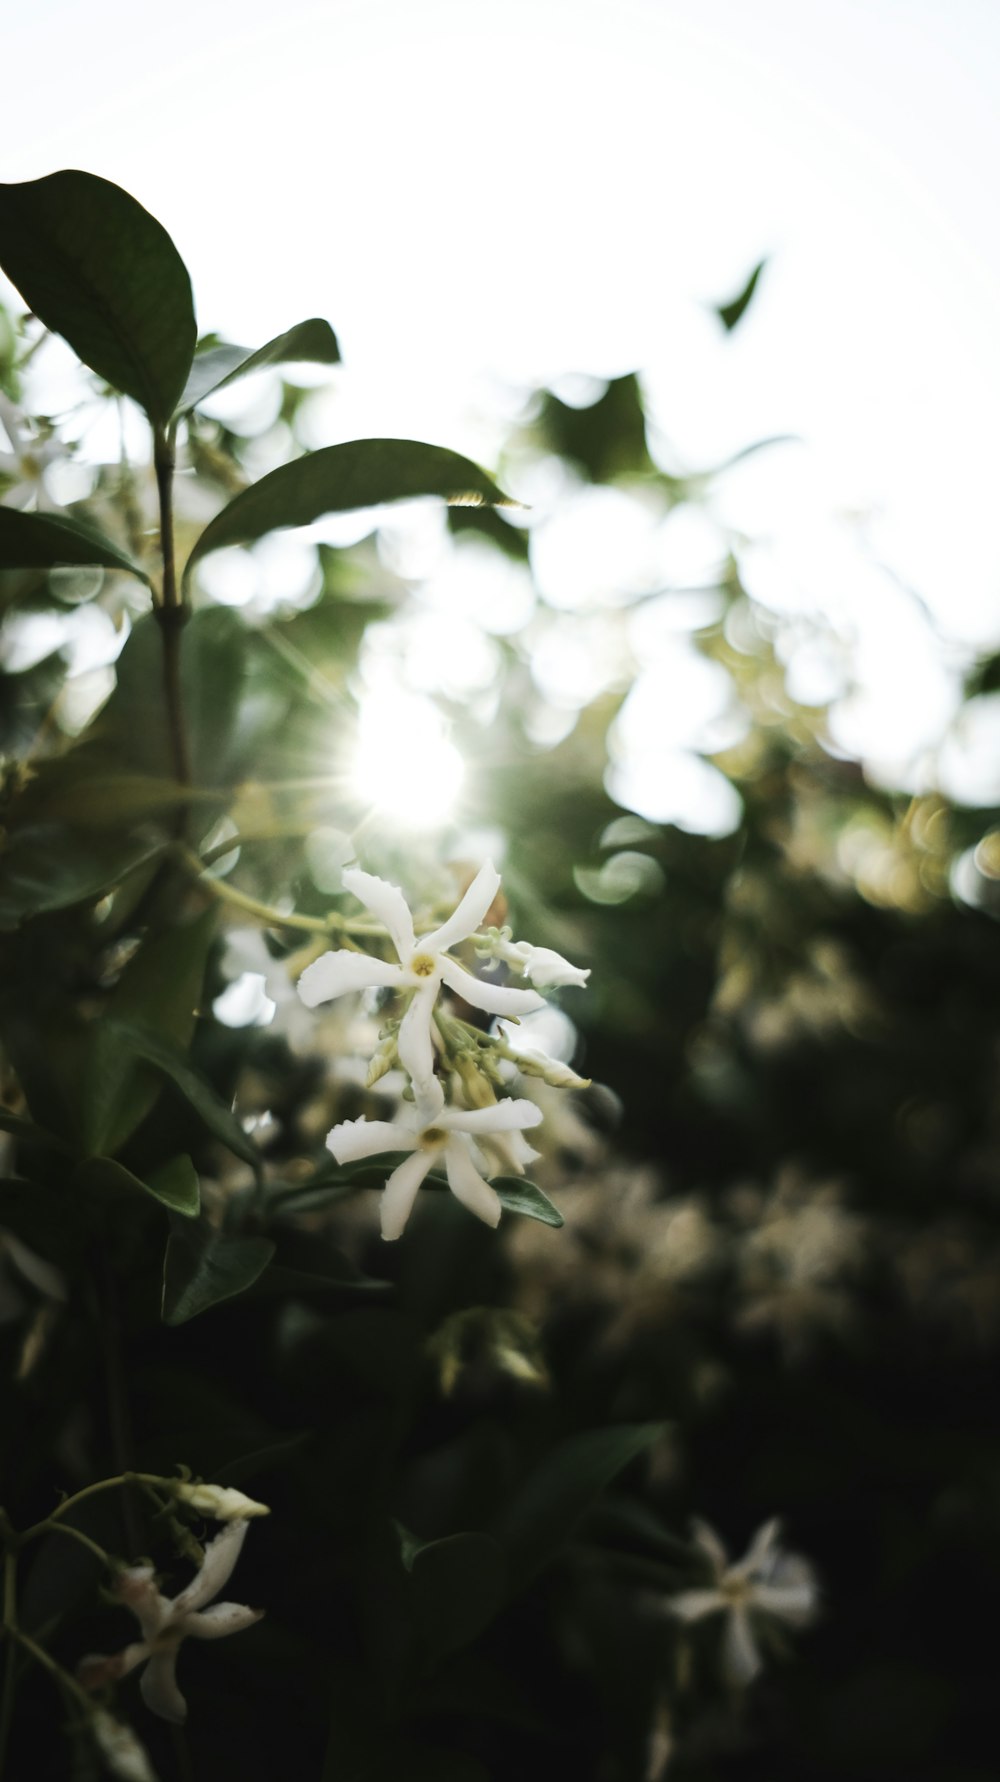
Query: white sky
{"x": 479, "y": 194}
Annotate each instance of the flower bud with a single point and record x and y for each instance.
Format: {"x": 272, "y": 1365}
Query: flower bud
{"x": 547, "y": 969}
{"x": 218, "y": 1501}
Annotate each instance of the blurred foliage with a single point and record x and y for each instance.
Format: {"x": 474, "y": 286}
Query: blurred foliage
{"x": 777, "y": 1290}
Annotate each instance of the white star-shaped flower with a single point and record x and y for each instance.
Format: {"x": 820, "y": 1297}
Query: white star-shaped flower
{"x": 433, "y": 1133}
{"x": 166, "y": 1622}
{"x": 424, "y": 965}
{"x": 765, "y": 1583}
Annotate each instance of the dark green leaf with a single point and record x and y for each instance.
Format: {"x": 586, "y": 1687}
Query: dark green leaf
{"x": 518, "y": 1196}
{"x": 175, "y": 1186}
{"x": 203, "y": 1266}
{"x": 731, "y": 313}
{"x": 95, "y": 267}
{"x": 340, "y": 478}
{"x": 219, "y": 1119}
{"x": 27, "y": 1133}
{"x": 459, "y": 1586}
{"x": 160, "y": 987}
{"x": 132, "y": 731}
{"x": 48, "y": 541}
{"x": 314, "y": 341}
{"x": 49, "y": 867}
{"x": 543, "y": 1515}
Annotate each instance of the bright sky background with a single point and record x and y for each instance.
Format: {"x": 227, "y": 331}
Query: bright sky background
{"x": 480, "y": 196}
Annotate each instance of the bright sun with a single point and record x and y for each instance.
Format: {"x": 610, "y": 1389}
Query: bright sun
{"x": 405, "y": 765}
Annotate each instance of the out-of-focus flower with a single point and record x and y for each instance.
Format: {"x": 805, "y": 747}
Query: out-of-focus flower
{"x": 433, "y": 1133}
{"x": 165, "y": 1622}
{"x": 424, "y": 965}
{"x": 123, "y": 1755}
{"x": 765, "y": 1585}
{"x": 24, "y": 467}
{"x": 218, "y": 1501}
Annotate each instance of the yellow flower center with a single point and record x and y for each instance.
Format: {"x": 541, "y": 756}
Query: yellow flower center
{"x": 422, "y": 964}
{"x": 432, "y": 1137}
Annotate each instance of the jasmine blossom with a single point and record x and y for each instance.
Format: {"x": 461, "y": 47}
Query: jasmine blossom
{"x": 433, "y": 1133}
{"x": 765, "y": 1584}
{"x": 424, "y": 965}
{"x": 165, "y": 1622}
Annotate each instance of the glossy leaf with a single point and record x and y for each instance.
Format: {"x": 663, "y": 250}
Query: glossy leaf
{"x": 175, "y": 1186}
{"x": 341, "y": 478}
{"x": 95, "y": 267}
{"x": 730, "y": 314}
{"x": 52, "y": 541}
{"x": 459, "y": 1585}
{"x": 49, "y": 867}
{"x": 313, "y": 341}
{"x": 518, "y": 1196}
{"x": 203, "y": 1266}
{"x": 542, "y": 1516}
{"x": 219, "y": 1119}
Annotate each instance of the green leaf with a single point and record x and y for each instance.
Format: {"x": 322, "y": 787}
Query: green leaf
{"x": 95, "y": 267}
{"x": 542, "y": 1516}
{"x": 175, "y": 1186}
{"x": 730, "y": 314}
{"x": 27, "y": 1133}
{"x": 161, "y": 987}
{"x": 518, "y": 1196}
{"x": 48, "y": 867}
{"x": 219, "y": 1119}
{"x": 340, "y": 478}
{"x": 459, "y": 1585}
{"x": 313, "y": 340}
{"x": 203, "y": 1266}
{"x": 49, "y": 541}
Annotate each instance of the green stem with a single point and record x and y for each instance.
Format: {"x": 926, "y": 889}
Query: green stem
{"x": 77, "y": 1534}
{"x": 172, "y": 612}
{"x": 70, "y": 1503}
{"x": 265, "y": 912}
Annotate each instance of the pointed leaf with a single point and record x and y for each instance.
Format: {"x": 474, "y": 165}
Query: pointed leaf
{"x": 175, "y": 1186}
{"x": 341, "y": 478}
{"x": 50, "y": 541}
{"x": 730, "y": 314}
{"x": 203, "y": 1266}
{"x": 542, "y": 1516}
{"x": 313, "y": 341}
{"x": 459, "y": 1585}
{"x": 27, "y": 1133}
{"x": 519, "y": 1196}
{"x": 48, "y": 867}
{"x": 219, "y": 1119}
{"x": 95, "y": 267}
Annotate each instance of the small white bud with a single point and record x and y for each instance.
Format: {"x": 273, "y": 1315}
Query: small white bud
{"x": 218, "y": 1501}
{"x": 547, "y": 969}
{"x": 122, "y": 1753}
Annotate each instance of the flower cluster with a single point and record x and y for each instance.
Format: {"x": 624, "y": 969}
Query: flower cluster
{"x": 473, "y": 1134}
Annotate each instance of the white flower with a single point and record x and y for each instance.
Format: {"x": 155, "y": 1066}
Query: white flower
{"x": 424, "y": 965}
{"x": 432, "y": 1133}
{"x": 218, "y": 1501}
{"x": 765, "y": 1583}
{"x": 165, "y": 1623}
{"x": 27, "y": 463}
{"x": 544, "y": 967}
{"x": 120, "y": 1749}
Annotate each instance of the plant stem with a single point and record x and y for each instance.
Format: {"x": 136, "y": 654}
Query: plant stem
{"x": 172, "y": 612}
{"x": 77, "y": 1534}
{"x": 333, "y": 923}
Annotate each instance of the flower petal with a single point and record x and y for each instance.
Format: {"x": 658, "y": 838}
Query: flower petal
{"x": 468, "y": 914}
{"x": 221, "y": 1555}
{"x": 467, "y": 1184}
{"x": 413, "y": 1041}
{"x": 691, "y": 1605}
{"x": 741, "y": 1660}
{"x": 400, "y": 1192}
{"x": 159, "y": 1686}
{"x": 221, "y": 1619}
{"x": 496, "y": 999}
{"x": 337, "y": 973}
{"x": 795, "y": 1603}
{"x": 135, "y": 1587}
{"x": 354, "y": 1139}
{"x": 386, "y": 903}
{"x": 505, "y": 1116}
{"x": 710, "y": 1544}
{"x": 762, "y": 1552}
{"x": 98, "y": 1669}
